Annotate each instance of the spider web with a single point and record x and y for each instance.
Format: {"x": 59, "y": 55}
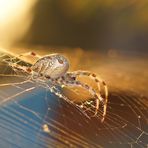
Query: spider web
{"x": 32, "y": 116}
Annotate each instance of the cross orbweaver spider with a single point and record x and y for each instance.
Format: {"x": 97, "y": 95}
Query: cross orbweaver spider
{"x": 54, "y": 68}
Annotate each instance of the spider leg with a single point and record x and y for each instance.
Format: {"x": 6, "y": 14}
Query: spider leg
{"x": 33, "y": 54}
{"x": 54, "y": 89}
{"x": 21, "y": 68}
{"x": 92, "y": 76}
{"x": 98, "y": 81}
{"x": 86, "y": 87}
{"x": 14, "y": 63}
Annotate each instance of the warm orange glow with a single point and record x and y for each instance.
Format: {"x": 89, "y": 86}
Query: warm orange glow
{"x": 15, "y": 19}
{"x": 7, "y": 9}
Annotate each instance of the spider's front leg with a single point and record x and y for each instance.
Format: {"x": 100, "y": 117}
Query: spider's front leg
{"x": 98, "y": 81}
{"x": 70, "y": 81}
{"x": 93, "y": 76}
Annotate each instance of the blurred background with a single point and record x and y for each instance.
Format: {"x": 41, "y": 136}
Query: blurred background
{"x": 97, "y": 24}
{"x": 108, "y": 37}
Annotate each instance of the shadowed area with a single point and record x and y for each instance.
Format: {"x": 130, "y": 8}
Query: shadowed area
{"x": 96, "y": 24}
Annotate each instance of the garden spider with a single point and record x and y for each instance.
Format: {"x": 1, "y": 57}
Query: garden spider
{"x": 54, "y": 68}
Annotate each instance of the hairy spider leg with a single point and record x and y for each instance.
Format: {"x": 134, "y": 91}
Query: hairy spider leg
{"x": 17, "y": 66}
{"x": 98, "y": 81}
{"x": 55, "y": 90}
{"x": 86, "y": 87}
{"x": 22, "y": 68}
{"x": 30, "y": 54}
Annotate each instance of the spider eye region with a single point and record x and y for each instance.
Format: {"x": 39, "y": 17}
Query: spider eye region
{"x": 60, "y": 61}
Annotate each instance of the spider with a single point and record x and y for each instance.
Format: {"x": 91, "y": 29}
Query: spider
{"x": 54, "y": 68}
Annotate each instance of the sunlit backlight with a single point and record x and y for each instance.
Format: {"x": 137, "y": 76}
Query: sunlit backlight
{"x": 7, "y": 7}
{"x": 15, "y": 19}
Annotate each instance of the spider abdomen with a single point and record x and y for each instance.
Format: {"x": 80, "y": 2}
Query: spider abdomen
{"x": 53, "y": 66}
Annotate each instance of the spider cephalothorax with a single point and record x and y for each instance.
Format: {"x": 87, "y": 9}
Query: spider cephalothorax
{"x": 54, "y": 68}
